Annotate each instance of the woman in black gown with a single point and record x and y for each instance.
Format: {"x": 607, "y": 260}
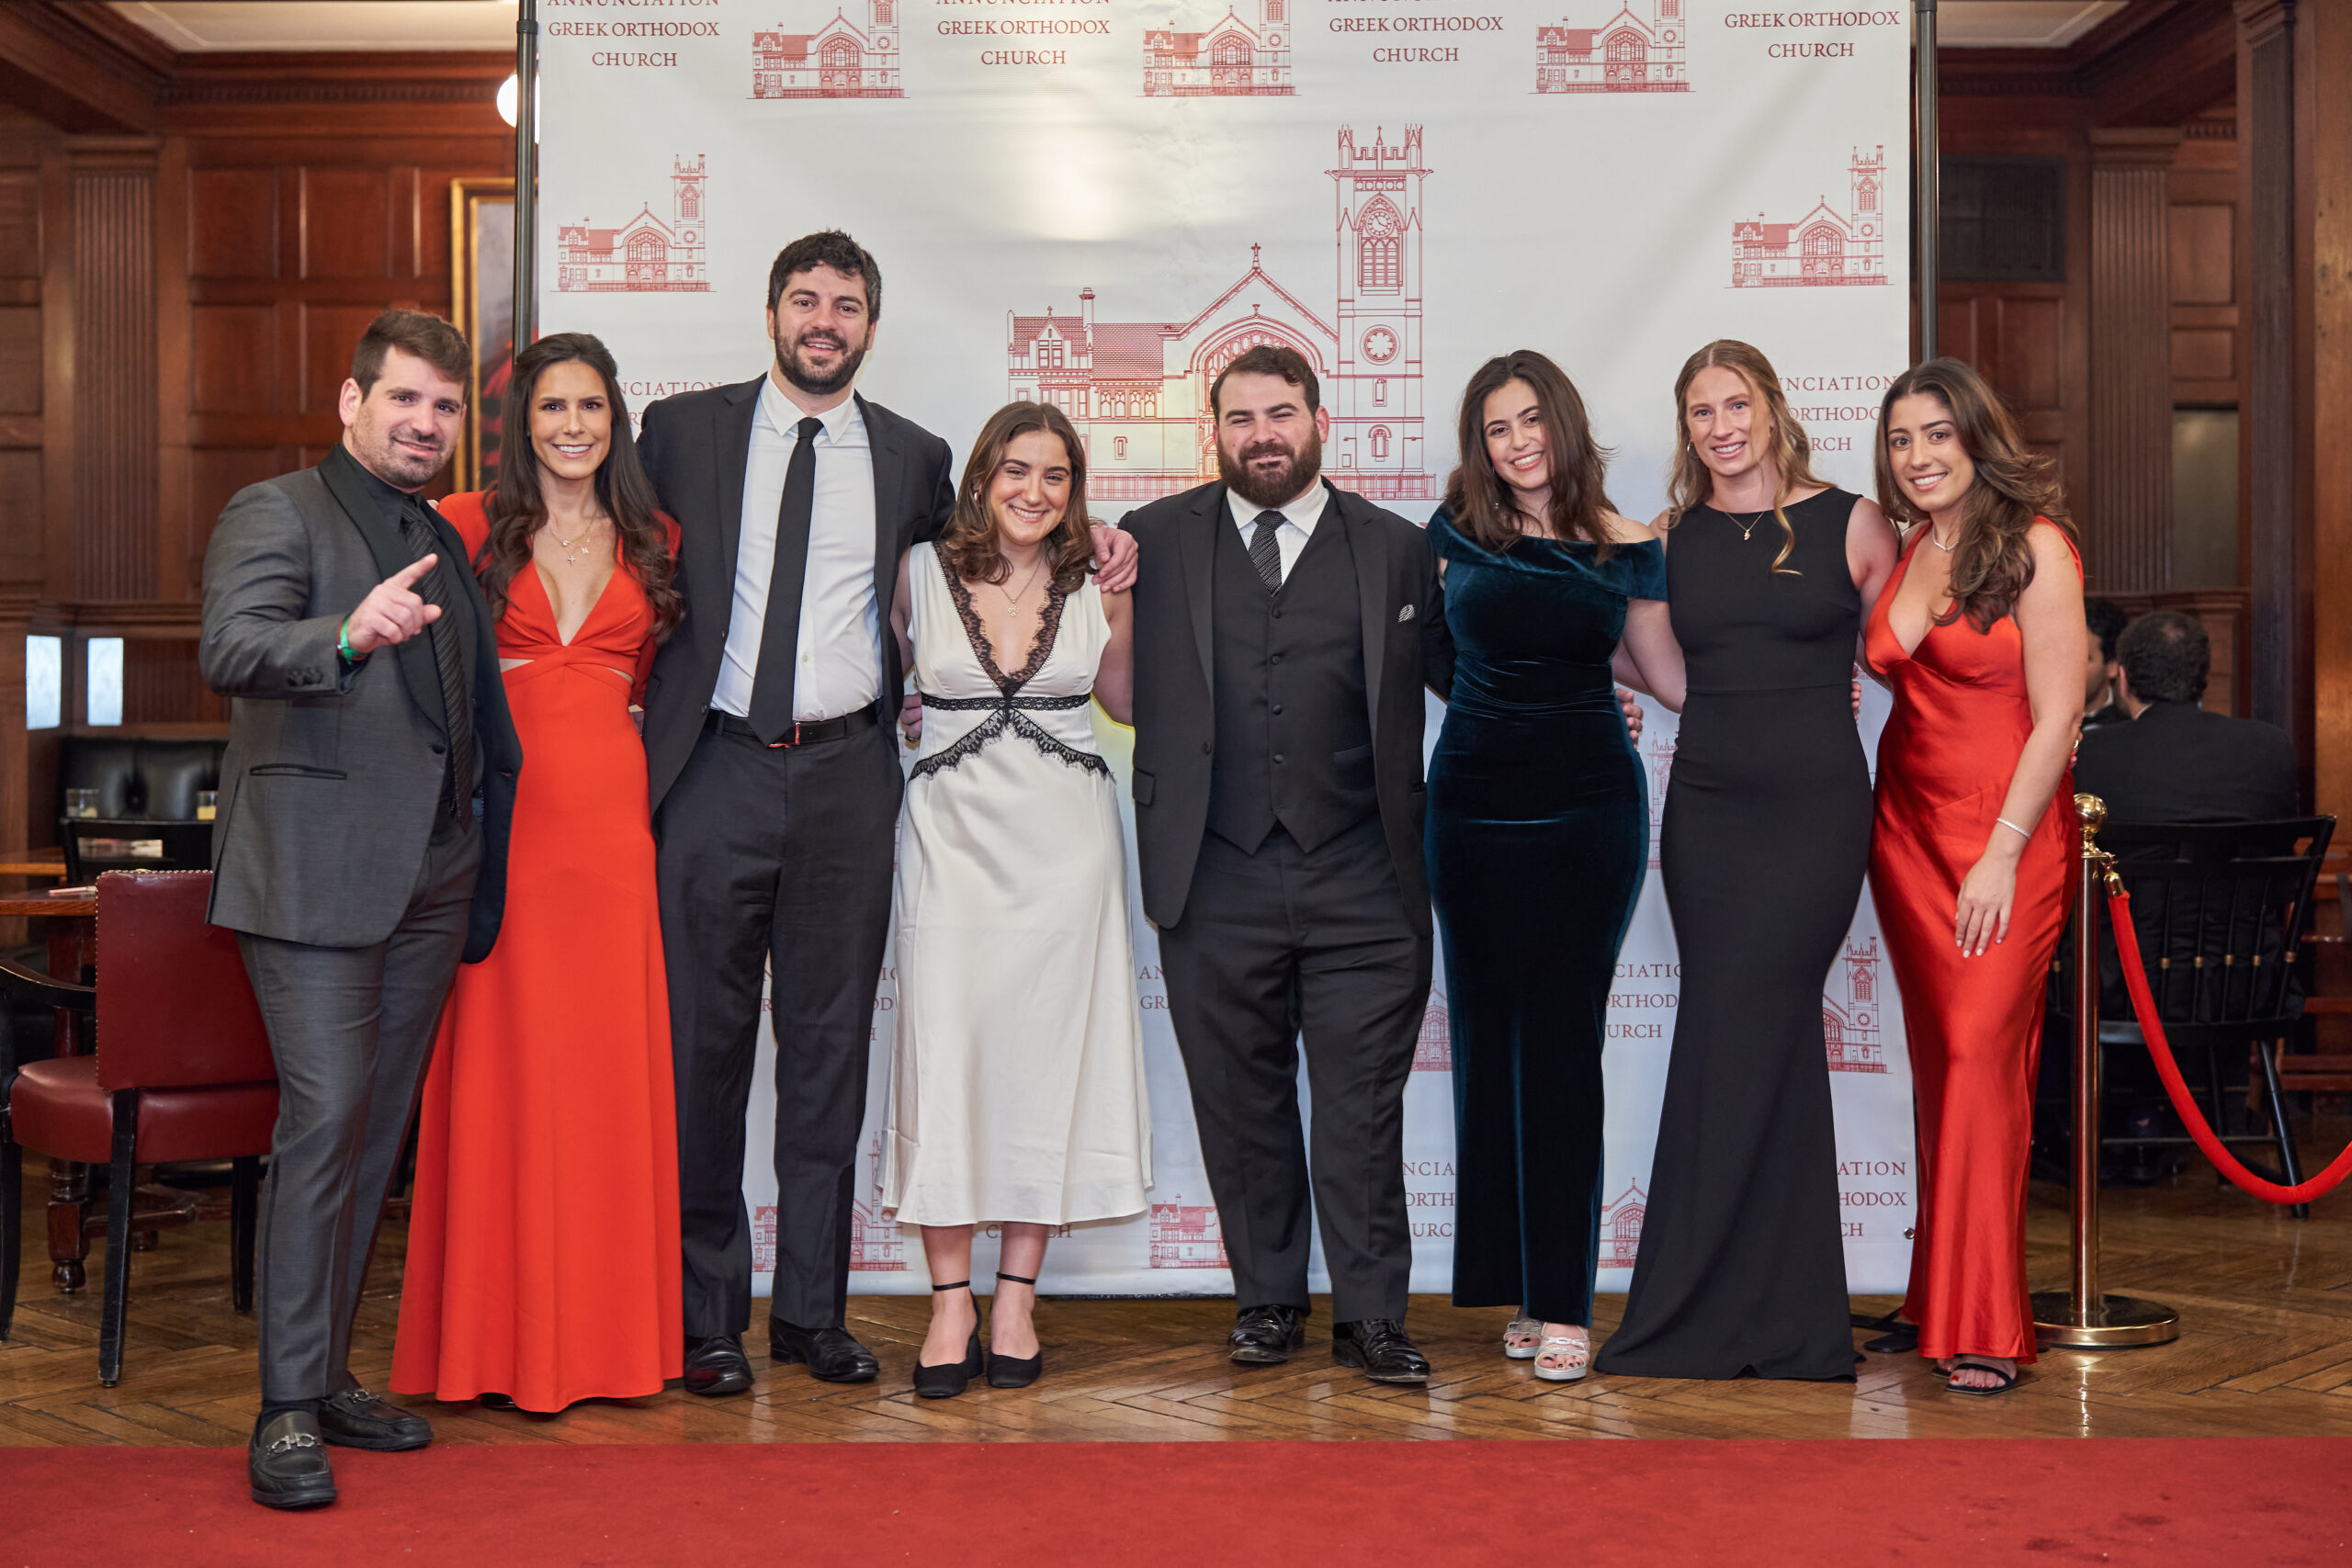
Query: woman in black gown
{"x": 1537, "y": 836}
{"x": 1764, "y": 846}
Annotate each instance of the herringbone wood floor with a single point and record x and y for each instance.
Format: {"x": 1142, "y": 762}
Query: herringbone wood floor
{"x": 2267, "y": 1304}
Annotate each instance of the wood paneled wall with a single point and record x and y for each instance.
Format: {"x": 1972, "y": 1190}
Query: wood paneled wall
{"x": 188, "y": 249}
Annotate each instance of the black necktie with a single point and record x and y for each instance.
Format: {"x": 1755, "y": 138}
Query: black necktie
{"x": 448, "y": 659}
{"x": 1265, "y": 553}
{"x": 771, "y": 713}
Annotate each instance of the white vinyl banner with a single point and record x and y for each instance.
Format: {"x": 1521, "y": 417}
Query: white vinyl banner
{"x": 1099, "y": 203}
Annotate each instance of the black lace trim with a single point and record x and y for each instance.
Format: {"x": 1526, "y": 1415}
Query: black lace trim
{"x": 1006, "y": 720}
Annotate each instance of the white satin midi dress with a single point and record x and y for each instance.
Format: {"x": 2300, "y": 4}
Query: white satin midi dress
{"x": 1017, "y": 1086}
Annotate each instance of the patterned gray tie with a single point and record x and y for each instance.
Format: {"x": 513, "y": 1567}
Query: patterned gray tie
{"x": 1265, "y": 553}
{"x": 448, "y": 658}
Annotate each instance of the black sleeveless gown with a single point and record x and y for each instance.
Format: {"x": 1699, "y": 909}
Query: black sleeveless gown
{"x": 1764, "y": 847}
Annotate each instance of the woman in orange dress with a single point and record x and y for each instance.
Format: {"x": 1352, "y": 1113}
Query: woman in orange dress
{"x": 1980, "y": 636}
{"x": 543, "y": 1247}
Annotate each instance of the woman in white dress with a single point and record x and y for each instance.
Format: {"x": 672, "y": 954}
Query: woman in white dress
{"x": 1017, "y": 1091}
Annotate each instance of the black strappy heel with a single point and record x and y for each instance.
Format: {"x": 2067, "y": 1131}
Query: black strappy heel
{"x": 947, "y": 1381}
{"x": 1015, "y": 1371}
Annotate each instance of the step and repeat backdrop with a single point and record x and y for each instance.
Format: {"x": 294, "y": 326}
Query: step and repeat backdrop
{"x": 1099, "y": 203}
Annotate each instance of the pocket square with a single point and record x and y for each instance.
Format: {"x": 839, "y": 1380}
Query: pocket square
{"x": 1405, "y": 614}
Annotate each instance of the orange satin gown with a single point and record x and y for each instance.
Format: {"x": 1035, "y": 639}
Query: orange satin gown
{"x": 1950, "y": 750}
{"x": 543, "y": 1259}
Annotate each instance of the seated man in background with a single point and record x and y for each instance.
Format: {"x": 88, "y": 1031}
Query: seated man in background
{"x": 2174, "y": 762}
{"x": 2106, "y": 620}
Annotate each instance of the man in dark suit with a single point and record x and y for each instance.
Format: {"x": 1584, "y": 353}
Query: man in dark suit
{"x": 775, "y": 789}
{"x": 2174, "y": 762}
{"x": 2106, "y": 621}
{"x": 360, "y": 850}
{"x": 1283, "y": 638}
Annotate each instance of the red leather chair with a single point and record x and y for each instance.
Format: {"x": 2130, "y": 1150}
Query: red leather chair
{"x": 182, "y": 1071}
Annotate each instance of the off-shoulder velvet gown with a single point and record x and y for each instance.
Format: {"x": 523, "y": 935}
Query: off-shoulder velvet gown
{"x": 1765, "y": 841}
{"x": 1537, "y": 838}
{"x": 1945, "y": 762}
{"x": 543, "y": 1246}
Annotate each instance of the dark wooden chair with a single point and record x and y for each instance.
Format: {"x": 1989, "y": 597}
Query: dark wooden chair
{"x": 2220, "y": 909}
{"x": 182, "y": 1071}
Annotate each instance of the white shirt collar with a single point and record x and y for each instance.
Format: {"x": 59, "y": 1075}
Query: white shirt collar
{"x": 844, "y": 425}
{"x": 1301, "y": 513}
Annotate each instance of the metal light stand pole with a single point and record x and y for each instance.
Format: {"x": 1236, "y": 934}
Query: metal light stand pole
{"x": 2079, "y": 1315}
{"x": 527, "y": 173}
{"x": 1924, "y": 156}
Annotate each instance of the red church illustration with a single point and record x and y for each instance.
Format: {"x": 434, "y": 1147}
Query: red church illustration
{"x": 1849, "y": 1012}
{"x": 1186, "y": 1235}
{"x": 1434, "y": 1052}
{"x": 1657, "y": 764}
{"x": 1621, "y": 1227}
{"x": 1139, "y": 391}
{"x": 839, "y": 60}
{"x": 1639, "y": 50}
{"x": 875, "y": 1243}
{"x": 1827, "y": 248}
{"x": 648, "y": 255}
{"x": 1234, "y": 59}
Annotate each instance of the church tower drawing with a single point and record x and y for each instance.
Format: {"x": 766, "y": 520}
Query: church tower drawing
{"x": 838, "y": 60}
{"x": 646, "y": 255}
{"x": 1827, "y": 248}
{"x": 1849, "y": 1012}
{"x": 1375, "y": 391}
{"x": 1139, "y": 391}
{"x": 1234, "y": 59}
{"x": 1638, "y": 49}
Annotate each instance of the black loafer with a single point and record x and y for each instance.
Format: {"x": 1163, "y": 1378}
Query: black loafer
{"x": 1381, "y": 1349}
{"x": 286, "y": 1463}
{"x": 357, "y": 1419}
{"x": 718, "y": 1366}
{"x": 947, "y": 1381}
{"x": 833, "y": 1354}
{"x": 1267, "y": 1335}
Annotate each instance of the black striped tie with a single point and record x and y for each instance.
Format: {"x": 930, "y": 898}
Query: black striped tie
{"x": 1265, "y": 554}
{"x": 448, "y": 658}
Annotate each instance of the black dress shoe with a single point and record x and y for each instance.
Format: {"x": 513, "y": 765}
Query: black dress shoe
{"x": 833, "y": 1356}
{"x": 947, "y": 1381}
{"x": 1266, "y": 1335}
{"x": 286, "y": 1463}
{"x": 357, "y": 1419}
{"x": 1015, "y": 1371}
{"x": 718, "y": 1366}
{"x": 1381, "y": 1347}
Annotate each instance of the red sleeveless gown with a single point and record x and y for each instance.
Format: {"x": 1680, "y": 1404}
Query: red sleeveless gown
{"x": 1950, "y": 750}
{"x": 543, "y": 1257}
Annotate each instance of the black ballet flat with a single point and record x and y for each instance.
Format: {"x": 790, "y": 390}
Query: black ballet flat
{"x": 947, "y": 1381}
{"x": 1015, "y": 1371}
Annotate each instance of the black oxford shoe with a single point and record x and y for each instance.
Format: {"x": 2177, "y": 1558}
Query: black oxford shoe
{"x": 1381, "y": 1347}
{"x": 286, "y": 1463}
{"x": 357, "y": 1419}
{"x": 833, "y": 1356}
{"x": 1267, "y": 1335}
{"x": 718, "y": 1366}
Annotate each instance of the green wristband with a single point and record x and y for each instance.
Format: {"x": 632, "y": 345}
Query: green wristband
{"x": 343, "y": 643}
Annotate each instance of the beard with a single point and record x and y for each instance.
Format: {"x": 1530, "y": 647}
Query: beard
{"x": 396, "y": 464}
{"x": 1285, "y": 484}
{"x": 789, "y": 367}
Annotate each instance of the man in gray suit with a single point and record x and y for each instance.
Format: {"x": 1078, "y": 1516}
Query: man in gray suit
{"x": 361, "y": 848}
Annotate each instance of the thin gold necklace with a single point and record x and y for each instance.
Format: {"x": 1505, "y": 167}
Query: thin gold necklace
{"x": 568, "y": 546}
{"x": 1013, "y": 600}
{"x": 1937, "y": 540}
{"x": 1748, "y": 527}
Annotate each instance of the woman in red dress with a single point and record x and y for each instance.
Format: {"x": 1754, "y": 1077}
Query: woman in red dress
{"x": 1980, "y": 636}
{"x": 543, "y": 1247}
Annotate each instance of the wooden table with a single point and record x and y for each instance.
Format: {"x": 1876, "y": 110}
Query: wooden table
{"x": 73, "y": 956}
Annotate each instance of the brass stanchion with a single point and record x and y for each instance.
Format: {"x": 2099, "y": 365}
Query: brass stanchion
{"x": 2079, "y": 1315}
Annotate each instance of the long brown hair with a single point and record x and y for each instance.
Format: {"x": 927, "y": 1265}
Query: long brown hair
{"x": 1478, "y": 498}
{"x": 518, "y": 508}
{"x": 1991, "y": 561}
{"x": 1786, "y": 446}
{"x": 970, "y": 546}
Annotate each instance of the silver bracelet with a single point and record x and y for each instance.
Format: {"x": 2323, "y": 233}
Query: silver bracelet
{"x": 2013, "y": 828}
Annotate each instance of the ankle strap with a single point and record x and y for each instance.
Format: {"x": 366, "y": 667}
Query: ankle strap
{"x": 1015, "y": 1279}
{"x": 958, "y": 1285}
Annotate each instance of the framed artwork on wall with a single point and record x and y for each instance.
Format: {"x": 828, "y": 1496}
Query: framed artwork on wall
{"x": 481, "y": 294}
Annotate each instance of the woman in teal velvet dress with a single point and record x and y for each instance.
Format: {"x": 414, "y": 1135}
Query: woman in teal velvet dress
{"x": 1537, "y": 836}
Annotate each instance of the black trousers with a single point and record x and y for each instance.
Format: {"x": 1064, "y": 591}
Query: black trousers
{"x": 782, "y": 856}
{"x": 1275, "y": 946}
{"x": 351, "y": 1029}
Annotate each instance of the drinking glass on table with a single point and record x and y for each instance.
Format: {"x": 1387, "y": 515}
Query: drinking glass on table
{"x": 81, "y": 803}
{"x": 207, "y": 805}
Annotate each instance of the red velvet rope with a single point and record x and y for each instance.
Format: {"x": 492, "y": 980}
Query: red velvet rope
{"x": 2135, "y": 980}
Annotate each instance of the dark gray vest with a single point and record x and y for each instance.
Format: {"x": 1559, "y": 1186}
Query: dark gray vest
{"x": 1293, "y": 737}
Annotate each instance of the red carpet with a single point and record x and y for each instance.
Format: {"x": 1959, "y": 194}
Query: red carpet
{"x": 2271, "y": 1501}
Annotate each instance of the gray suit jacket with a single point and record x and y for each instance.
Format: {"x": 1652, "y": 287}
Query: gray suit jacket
{"x": 332, "y": 778}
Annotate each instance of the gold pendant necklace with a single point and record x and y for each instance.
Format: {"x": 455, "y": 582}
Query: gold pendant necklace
{"x": 570, "y": 546}
{"x": 1748, "y": 527}
{"x": 1013, "y": 600}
